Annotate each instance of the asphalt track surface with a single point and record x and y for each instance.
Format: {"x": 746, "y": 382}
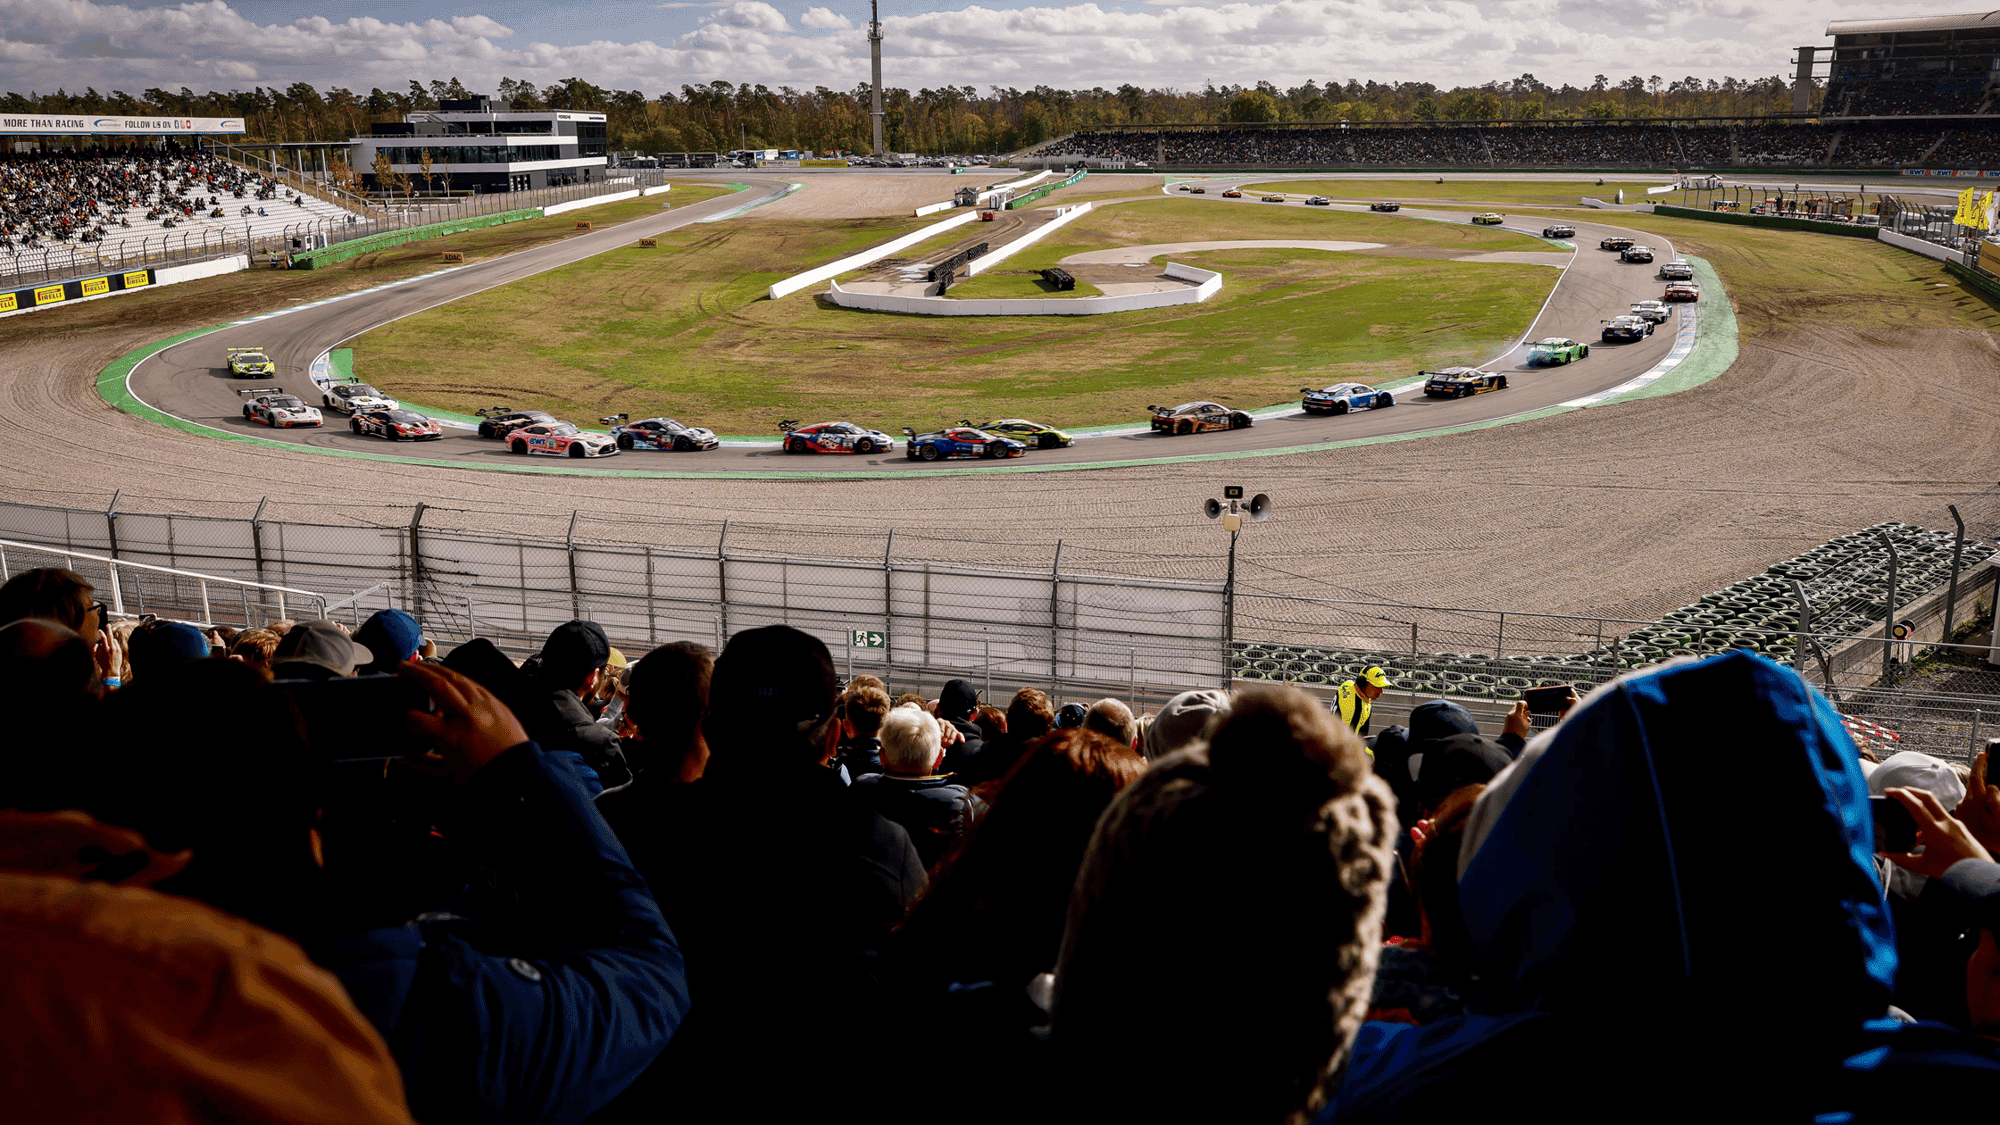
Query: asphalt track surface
{"x": 189, "y": 380}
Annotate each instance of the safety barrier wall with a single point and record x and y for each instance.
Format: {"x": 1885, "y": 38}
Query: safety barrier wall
{"x": 1917, "y": 245}
{"x": 614, "y": 197}
{"x": 195, "y": 271}
{"x": 934, "y": 208}
{"x": 1090, "y": 632}
{"x": 1209, "y": 283}
{"x": 1987, "y": 285}
{"x": 1770, "y": 222}
{"x": 341, "y": 252}
{"x": 799, "y": 281}
{"x": 1064, "y": 217}
{"x": 1034, "y": 194}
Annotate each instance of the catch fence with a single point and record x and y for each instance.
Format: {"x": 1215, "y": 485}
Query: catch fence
{"x": 1874, "y": 619}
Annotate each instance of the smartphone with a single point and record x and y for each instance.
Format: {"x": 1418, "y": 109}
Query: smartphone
{"x": 1547, "y": 700}
{"x": 1895, "y": 828}
{"x": 360, "y": 718}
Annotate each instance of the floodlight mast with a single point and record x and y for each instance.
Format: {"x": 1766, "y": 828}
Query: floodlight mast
{"x": 875, "y": 57}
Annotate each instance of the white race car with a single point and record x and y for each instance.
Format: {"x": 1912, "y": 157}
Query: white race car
{"x": 273, "y": 407}
{"x": 351, "y": 397}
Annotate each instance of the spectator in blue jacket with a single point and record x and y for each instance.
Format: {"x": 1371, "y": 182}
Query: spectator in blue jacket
{"x": 537, "y": 1003}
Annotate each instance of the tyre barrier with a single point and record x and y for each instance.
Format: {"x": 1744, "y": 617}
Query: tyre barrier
{"x": 1846, "y": 580}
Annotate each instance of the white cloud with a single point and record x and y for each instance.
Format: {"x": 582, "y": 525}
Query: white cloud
{"x": 826, "y": 19}
{"x": 1182, "y": 44}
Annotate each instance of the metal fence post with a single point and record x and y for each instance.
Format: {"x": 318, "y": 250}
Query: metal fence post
{"x": 722, "y": 585}
{"x": 1889, "y": 618}
{"x": 1055, "y": 609}
{"x": 413, "y": 598}
{"x": 652, "y": 623}
{"x": 1951, "y": 591}
{"x": 888, "y": 597}
{"x": 1805, "y": 627}
{"x": 1500, "y": 638}
{"x": 111, "y": 521}
{"x": 569, "y": 548}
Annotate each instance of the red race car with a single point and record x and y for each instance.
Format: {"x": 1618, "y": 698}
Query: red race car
{"x": 834, "y": 437}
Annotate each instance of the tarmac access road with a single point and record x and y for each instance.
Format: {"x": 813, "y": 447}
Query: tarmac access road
{"x": 188, "y": 380}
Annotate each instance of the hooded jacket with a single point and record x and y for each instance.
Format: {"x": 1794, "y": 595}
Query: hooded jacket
{"x": 1620, "y": 899}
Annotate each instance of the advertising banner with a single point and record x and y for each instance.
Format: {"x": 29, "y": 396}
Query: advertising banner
{"x": 1989, "y": 258}
{"x": 83, "y": 125}
{"x": 23, "y": 299}
{"x": 48, "y": 294}
{"x": 1951, "y": 173}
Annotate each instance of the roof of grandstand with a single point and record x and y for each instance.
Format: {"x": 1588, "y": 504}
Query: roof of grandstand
{"x": 1914, "y": 23}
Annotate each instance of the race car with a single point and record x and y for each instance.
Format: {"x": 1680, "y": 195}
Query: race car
{"x": 1274, "y": 199}
{"x": 834, "y": 437}
{"x": 1677, "y": 270}
{"x": 273, "y": 407}
{"x": 1489, "y": 218}
{"x": 1458, "y": 382}
{"x": 1636, "y": 254}
{"x": 1022, "y": 430}
{"x": 1655, "y": 311}
{"x": 351, "y": 397}
{"x": 560, "y": 439}
{"x": 1555, "y": 350}
{"x": 498, "y": 421}
{"x": 1232, "y": 193}
{"x": 1615, "y": 242}
{"x": 1198, "y": 190}
{"x": 1344, "y": 397}
{"x": 960, "y": 441}
{"x": 1559, "y": 232}
{"x": 1187, "y": 187}
{"x": 659, "y": 433}
{"x": 1196, "y": 417}
{"x": 1385, "y": 207}
{"x": 1626, "y": 328}
{"x": 248, "y": 363}
{"x": 394, "y": 425}
{"x": 1319, "y": 201}
{"x": 1682, "y": 291}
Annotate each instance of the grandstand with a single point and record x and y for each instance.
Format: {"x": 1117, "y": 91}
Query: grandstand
{"x": 1928, "y": 66}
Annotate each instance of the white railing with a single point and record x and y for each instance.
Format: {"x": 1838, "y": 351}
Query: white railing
{"x": 117, "y": 569}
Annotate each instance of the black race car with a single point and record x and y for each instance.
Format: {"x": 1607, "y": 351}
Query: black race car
{"x": 660, "y": 433}
{"x": 1559, "y": 231}
{"x": 1385, "y": 207}
{"x": 498, "y": 421}
{"x": 1197, "y": 417}
{"x": 1615, "y": 242}
{"x": 1636, "y": 254}
{"x": 1458, "y": 382}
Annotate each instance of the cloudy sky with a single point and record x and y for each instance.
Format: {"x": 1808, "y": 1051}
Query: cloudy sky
{"x": 656, "y": 46}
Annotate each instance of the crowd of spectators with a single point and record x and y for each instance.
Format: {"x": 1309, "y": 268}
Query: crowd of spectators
{"x": 298, "y": 873}
{"x": 1905, "y": 97}
{"x": 82, "y": 196}
{"x": 1862, "y": 145}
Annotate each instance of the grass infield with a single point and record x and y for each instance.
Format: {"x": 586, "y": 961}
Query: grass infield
{"x": 685, "y": 330}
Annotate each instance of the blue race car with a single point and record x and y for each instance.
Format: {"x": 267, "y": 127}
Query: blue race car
{"x": 1342, "y": 398}
{"x": 960, "y": 441}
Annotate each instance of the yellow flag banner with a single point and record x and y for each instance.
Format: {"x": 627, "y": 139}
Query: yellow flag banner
{"x": 1964, "y": 217}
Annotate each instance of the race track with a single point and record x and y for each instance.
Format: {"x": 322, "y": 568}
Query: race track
{"x": 188, "y": 380}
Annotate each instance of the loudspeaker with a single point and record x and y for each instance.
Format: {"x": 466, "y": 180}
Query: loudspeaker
{"x": 1211, "y": 508}
{"x": 1259, "y": 508}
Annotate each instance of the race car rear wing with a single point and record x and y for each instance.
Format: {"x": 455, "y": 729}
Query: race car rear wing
{"x": 260, "y": 391}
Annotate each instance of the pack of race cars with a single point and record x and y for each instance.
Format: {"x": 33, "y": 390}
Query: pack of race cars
{"x": 536, "y": 433}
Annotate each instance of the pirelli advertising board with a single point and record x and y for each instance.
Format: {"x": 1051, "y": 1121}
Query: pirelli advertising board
{"x": 55, "y": 294}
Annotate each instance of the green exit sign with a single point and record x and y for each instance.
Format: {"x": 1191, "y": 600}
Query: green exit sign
{"x": 865, "y": 638}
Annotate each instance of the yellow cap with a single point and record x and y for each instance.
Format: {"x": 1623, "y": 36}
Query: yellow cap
{"x": 1376, "y": 677}
{"x": 617, "y": 659}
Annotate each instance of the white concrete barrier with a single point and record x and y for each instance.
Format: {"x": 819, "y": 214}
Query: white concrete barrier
{"x": 657, "y": 189}
{"x": 593, "y": 201}
{"x": 1064, "y": 216}
{"x": 1015, "y": 185}
{"x": 799, "y": 281}
{"x": 1918, "y": 245}
{"x": 194, "y": 271}
{"x": 1209, "y": 281}
{"x": 934, "y": 208}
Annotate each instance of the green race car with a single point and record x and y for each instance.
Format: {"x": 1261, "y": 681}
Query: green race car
{"x": 1555, "y": 350}
{"x": 1032, "y": 434}
{"x": 250, "y": 363}
{"x": 1489, "y": 219}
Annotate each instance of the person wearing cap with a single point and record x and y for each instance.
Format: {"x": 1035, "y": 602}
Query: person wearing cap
{"x": 392, "y": 636}
{"x": 317, "y": 650}
{"x": 1071, "y": 716}
{"x": 1357, "y": 698}
{"x": 1183, "y": 721}
{"x": 955, "y": 706}
{"x": 159, "y": 645}
{"x": 780, "y": 883}
{"x": 572, "y": 660}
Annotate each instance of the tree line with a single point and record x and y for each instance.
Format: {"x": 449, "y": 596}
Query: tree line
{"x": 721, "y": 115}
